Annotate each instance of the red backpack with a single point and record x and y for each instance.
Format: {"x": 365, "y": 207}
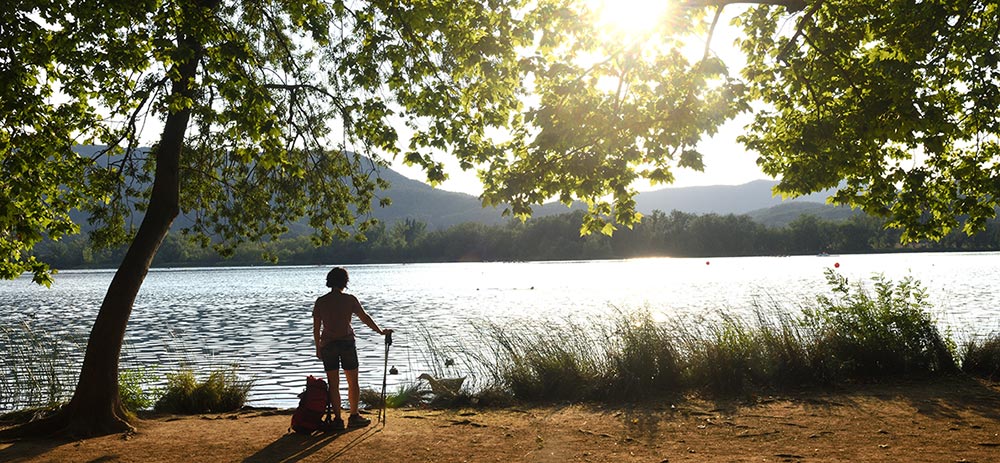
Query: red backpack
{"x": 313, "y": 401}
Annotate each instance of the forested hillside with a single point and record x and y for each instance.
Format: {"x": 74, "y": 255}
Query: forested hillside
{"x": 676, "y": 234}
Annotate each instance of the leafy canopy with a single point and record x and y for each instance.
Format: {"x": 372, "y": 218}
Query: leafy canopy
{"x": 297, "y": 105}
{"x": 276, "y": 82}
{"x": 607, "y": 109}
{"x": 894, "y": 101}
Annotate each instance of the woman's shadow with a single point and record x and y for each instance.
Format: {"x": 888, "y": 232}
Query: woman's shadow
{"x": 293, "y": 447}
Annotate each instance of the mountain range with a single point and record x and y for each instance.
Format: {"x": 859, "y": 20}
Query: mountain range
{"x": 441, "y": 209}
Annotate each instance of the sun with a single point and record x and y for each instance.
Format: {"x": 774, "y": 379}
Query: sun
{"x": 629, "y": 18}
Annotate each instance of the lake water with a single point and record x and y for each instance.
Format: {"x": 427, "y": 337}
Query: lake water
{"x": 261, "y": 319}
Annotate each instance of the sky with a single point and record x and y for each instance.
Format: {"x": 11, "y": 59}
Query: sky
{"x": 726, "y": 161}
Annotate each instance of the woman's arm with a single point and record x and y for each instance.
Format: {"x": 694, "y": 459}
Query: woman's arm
{"x": 316, "y": 324}
{"x": 367, "y": 319}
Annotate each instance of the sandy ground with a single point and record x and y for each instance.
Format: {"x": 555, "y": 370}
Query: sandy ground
{"x": 951, "y": 420}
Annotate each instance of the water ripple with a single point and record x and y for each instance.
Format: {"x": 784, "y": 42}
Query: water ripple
{"x": 260, "y": 318}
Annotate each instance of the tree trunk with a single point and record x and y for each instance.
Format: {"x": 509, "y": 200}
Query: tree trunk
{"x": 96, "y": 408}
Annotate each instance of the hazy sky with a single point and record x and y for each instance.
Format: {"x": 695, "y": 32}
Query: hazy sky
{"x": 726, "y": 161}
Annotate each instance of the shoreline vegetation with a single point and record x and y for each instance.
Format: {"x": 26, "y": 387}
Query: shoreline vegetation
{"x": 856, "y": 333}
{"x": 676, "y": 234}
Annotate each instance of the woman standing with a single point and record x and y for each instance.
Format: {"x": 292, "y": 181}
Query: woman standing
{"x": 335, "y": 345}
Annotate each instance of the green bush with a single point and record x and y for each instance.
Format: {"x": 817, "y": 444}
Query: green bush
{"x": 859, "y": 335}
{"x": 133, "y": 390}
{"x": 405, "y": 396}
{"x": 221, "y": 391}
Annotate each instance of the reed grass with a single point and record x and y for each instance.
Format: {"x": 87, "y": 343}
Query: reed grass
{"x": 981, "y": 357}
{"x": 37, "y": 368}
{"x": 858, "y": 332}
{"x": 639, "y": 355}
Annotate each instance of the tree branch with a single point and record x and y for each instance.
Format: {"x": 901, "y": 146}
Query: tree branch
{"x": 711, "y": 31}
{"x": 295, "y": 87}
{"x": 799, "y": 30}
{"x": 792, "y": 5}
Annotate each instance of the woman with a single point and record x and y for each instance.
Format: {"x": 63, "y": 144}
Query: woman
{"x": 334, "y": 339}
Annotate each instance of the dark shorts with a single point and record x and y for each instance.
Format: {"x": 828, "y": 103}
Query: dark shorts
{"x": 337, "y": 354}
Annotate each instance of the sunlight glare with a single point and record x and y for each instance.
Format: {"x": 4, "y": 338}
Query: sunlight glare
{"x": 631, "y": 18}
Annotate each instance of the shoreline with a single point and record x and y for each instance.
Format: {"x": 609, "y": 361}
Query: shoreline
{"x": 952, "y": 419}
{"x": 180, "y": 266}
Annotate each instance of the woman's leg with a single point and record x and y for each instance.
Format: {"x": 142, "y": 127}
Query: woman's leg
{"x": 333, "y": 380}
{"x": 353, "y": 390}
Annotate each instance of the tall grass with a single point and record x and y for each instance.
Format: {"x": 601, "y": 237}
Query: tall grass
{"x": 40, "y": 370}
{"x": 981, "y": 357}
{"x": 855, "y": 333}
{"x": 37, "y": 369}
{"x": 639, "y": 355}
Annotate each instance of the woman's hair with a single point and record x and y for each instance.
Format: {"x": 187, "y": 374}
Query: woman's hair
{"x": 337, "y": 278}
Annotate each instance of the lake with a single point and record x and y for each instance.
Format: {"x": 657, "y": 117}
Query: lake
{"x": 260, "y": 317}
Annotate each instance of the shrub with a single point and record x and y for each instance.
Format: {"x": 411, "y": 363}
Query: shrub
{"x": 981, "y": 357}
{"x": 221, "y": 391}
{"x": 859, "y": 335}
{"x": 132, "y": 388}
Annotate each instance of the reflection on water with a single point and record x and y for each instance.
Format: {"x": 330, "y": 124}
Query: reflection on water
{"x": 261, "y": 319}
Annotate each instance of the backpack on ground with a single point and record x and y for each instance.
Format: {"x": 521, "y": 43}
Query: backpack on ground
{"x": 313, "y": 401}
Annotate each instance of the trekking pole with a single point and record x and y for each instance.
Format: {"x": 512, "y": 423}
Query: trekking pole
{"x": 385, "y": 370}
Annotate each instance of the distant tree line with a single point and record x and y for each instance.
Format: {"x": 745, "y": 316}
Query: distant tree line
{"x": 676, "y": 234}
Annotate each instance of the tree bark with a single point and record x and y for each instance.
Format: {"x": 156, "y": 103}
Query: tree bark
{"x": 96, "y": 407}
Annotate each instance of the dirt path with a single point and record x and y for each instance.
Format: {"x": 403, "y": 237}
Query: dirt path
{"x": 942, "y": 421}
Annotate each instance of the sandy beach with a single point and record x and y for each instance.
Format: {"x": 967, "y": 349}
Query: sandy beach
{"x": 948, "y": 420}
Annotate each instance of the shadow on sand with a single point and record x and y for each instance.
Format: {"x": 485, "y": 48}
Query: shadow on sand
{"x": 22, "y": 449}
{"x": 947, "y": 397}
{"x": 293, "y": 447}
